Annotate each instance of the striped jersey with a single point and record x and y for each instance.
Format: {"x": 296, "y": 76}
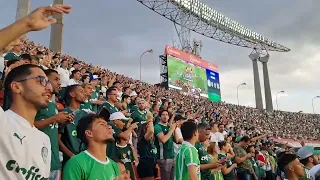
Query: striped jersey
{"x": 187, "y": 156}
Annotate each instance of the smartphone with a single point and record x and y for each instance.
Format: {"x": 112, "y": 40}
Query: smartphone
{"x": 223, "y": 160}
{"x": 104, "y": 113}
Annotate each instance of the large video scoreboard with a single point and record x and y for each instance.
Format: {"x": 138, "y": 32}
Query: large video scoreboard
{"x": 192, "y": 74}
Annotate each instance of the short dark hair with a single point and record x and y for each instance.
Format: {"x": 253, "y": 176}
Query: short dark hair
{"x": 116, "y": 82}
{"x": 245, "y": 139}
{"x": 48, "y": 72}
{"x": 84, "y": 124}
{"x": 163, "y": 110}
{"x": 188, "y": 128}
{"x": 16, "y": 74}
{"x": 220, "y": 125}
{"x": 284, "y": 160}
{"x": 125, "y": 97}
{"x": 26, "y": 56}
{"x": 109, "y": 91}
{"x": 84, "y": 77}
{"x": 70, "y": 89}
{"x": 9, "y": 63}
{"x": 221, "y": 144}
{"x": 203, "y": 126}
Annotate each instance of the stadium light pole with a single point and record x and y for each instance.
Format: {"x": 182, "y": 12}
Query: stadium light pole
{"x": 313, "y": 104}
{"x": 277, "y": 98}
{"x": 147, "y": 51}
{"x": 242, "y": 84}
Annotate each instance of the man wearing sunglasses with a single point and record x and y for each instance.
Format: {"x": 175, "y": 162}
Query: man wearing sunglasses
{"x": 26, "y": 151}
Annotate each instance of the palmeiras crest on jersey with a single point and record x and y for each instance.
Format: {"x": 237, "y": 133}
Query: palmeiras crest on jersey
{"x": 44, "y": 154}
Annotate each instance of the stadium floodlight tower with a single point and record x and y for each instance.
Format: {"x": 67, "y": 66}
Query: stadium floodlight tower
{"x": 196, "y": 16}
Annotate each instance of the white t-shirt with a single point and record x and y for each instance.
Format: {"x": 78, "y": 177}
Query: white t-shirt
{"x": 220, "y": 136}
{"x": 178, "y": 133}
{"x": 25, "y": 151}
{"x": 72, "y": 82}
{"x": 213, "y": 137}
{"x": 64, "y": 76}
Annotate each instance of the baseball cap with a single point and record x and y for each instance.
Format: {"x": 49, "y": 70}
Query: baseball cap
{"x": 133, "y": 93}
{"x": 118, "y": 115}
{"x": 95, "y": 77}
{"x": 307, "y": 151}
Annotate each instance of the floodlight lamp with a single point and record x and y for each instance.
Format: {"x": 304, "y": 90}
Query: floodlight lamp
{"x": 264, "y": 59}
{"x": 254, "y": 56}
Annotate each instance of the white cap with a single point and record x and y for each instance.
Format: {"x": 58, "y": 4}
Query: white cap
{"x": 118, "y": 116}
{"x": 133, "y": 93}
{"x": 94, "y": 77}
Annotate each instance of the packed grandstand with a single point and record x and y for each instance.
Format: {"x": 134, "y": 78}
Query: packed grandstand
{"x": 242, "y": 140}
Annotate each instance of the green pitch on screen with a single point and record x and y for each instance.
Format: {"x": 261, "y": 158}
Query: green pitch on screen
{"x": 176, "y": 68}
{"x": 214, "y": 97}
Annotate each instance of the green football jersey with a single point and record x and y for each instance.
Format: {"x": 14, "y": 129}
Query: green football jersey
{"x": 87, "y": 105}
{"x": 84, "y": 166}
{"x": 231, "y": 175}
{"x": 52, "y": 132}
{"x": 204, "y": 158}
{"x": 111, "y": 147}
{"x": 166, "y": 150}
{"x": 109, "y": 107}
{"x": 95, "y": 96}
{"x": 186, "y": 156}
{"x": 69, "y": 133}
{"x": 140, "y": 117}
{"x": 124, "y": 153}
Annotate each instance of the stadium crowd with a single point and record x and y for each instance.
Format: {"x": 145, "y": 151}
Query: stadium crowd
{"x": 65, "y": 118}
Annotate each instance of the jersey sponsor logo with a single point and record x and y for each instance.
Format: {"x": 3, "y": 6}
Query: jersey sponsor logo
{"x": 74, "y": 133}
{"x": 30, "y": 174}
{"x": 54, "y": 125}
{"x": 17, "y": 136}
{"x": 126, "y": 160}
{"x": 44, "y": 154}
{"x": 205, "y": 158}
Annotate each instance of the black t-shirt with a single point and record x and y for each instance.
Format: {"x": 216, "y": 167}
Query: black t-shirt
{"x": 146, "y": 149}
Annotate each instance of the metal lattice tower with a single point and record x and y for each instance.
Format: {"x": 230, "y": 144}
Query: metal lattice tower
{"x": 194, "y": 15}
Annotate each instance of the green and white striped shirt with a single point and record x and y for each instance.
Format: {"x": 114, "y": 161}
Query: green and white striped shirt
{"x": 187, "y": 156}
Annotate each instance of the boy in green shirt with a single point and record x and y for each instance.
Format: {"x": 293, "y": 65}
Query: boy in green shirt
{"x": 94, "y": 132}
{"x": 187, "y": 160}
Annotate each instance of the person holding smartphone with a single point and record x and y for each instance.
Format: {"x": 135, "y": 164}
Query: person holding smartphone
{"x": 68, "y": 142}
{"x": 228, "y": 170}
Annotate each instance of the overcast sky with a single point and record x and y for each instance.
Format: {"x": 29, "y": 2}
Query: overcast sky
{"x": 115, "y": 33}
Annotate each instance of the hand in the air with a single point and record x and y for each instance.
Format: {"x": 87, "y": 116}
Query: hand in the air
{"x": 40, "y": 18}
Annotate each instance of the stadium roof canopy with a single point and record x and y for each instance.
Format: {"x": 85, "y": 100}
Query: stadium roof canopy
{"x": 198, "y": 17}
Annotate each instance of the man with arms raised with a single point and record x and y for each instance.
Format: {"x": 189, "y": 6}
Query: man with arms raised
{"x": 47, "y": 120}
{"x": 94, "y": 132}
{"x": 187, "y": 161}
{"x": 26, "y": 151}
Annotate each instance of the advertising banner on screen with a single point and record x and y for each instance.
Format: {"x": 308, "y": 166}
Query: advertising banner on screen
{"x": 190, "y": 58}
{"x": 192, "y": 75}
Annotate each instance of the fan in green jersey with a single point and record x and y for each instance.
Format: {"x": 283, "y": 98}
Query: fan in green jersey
{"x": 68, "y": 142}
{"x": 87, "y": 91}
{"x": 94, "y": 132}
{"x": 47, "y": 121}
{"x": 187, "y": 160}
{"x": 112, "y": 100}
{"x": 206, "y": 163}
{"x": 117, "y": 122}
